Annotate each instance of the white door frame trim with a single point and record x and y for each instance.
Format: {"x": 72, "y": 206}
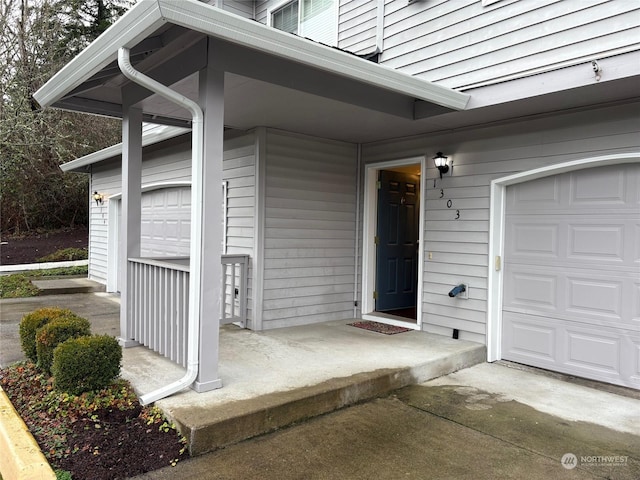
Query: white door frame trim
{"x": 369, "y": 232}
{"x": 496, "y": 234}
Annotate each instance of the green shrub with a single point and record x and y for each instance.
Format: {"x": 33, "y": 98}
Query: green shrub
{"x": 17, "y": 286}
{"x": 33, "y": 321}
{"x": 65, "y": 255}
{"x": 86, "y": 364}
{"x": 54, "y": 333}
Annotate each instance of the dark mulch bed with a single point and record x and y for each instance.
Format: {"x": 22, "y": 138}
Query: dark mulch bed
{"x": 106, "y": 438}
{"x": 21, "y": 249}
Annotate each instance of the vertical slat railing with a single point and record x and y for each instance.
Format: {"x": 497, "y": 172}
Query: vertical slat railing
{"x": 159, "y": 304}
{"x": 234, "y": 289}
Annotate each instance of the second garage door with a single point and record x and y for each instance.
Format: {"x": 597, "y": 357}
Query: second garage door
{"x": 572, "y": 274}
{"x": 166, "y": 222}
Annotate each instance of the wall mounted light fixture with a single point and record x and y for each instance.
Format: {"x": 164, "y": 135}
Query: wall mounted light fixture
{"x": 442, "y": 163}
{"x": 98, "y": 197}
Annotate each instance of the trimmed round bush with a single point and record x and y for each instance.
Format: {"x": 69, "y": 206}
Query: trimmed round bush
{"x": 86, "y": 364}
{"x": 54, "y": 333}
{"x": 32, "y": 322}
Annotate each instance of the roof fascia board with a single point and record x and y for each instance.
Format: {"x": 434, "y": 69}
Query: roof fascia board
{"x": 212, "y": 21}
{"x": 153, "y": 136}
{"x": 133, "y": 27}
{"x": 149, "y": 15}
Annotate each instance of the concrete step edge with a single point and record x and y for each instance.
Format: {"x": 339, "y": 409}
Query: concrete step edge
{"x": 237, "y": 421}
{"x": 69, "y": 290}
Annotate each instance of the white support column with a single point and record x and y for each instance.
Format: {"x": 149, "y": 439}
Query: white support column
{"x": 131, "y": 216}
{"x": 211, "y": 84}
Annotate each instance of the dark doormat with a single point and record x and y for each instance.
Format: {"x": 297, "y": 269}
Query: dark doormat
{"x": 379, "y": 327}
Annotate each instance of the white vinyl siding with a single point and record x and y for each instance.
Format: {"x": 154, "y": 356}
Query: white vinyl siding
{"x": 262, "y": 6}
{"x": 460, "y": 44}
{"x": 172, "y": 163}
{"x": 243, "y": 8}
{"x": 357, "y": 26}
{"x": 309, "y": 230}
{"x": 460, "y": 247}
{"x": 240, "y": 175}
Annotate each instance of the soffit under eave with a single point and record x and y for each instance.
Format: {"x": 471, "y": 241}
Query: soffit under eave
{"x": 130, "y": 31}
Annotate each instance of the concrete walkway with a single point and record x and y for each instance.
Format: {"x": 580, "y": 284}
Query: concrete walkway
{"x": 478, "y": 423}
{"x": 270, "y": 379}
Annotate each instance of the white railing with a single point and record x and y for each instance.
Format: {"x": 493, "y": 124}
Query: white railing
{"x": 159, "y": 301}
{"x": 234, "y": 289}
{"x": 159, "y": 305}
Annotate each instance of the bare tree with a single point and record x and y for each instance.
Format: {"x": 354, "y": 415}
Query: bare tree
{"x": 37, "y": 37}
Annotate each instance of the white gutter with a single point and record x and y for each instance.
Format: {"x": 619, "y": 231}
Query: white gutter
{"x": 197, "y": 144}
{"x": 149, "y": 15}
{"x": 150, "y": 136}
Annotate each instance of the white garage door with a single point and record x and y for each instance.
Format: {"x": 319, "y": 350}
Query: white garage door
{"x": 572, "y": 274}
{"x": 166, "y": 222}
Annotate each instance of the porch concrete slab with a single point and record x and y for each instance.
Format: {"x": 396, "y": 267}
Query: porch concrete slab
{"x": 275, "y": 378}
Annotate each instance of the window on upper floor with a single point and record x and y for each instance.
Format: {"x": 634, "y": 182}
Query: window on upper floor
{"x": 314, "y": 19}
{"x": 286, "y": 17}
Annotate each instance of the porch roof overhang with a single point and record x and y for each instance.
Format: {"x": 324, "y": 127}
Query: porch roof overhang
{"x": 272, "y": 78}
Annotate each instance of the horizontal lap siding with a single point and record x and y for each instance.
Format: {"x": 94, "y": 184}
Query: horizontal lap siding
{"x": 244, "y": 8}
{"x": 262, "y": 7}
{"x": 240, "y": 175}
{"x": 357, "y": 26}
{"x": 173, "y": 164}
{"x": 170, "y": 164}
{"x": 309, "y": 230}
{"x": 107, "y": 180}
{"x": 460, "y": 247}
{"x": 462, "y": 43}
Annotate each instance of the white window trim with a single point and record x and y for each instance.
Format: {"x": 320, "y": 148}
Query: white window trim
{"x": 496, "y": 234}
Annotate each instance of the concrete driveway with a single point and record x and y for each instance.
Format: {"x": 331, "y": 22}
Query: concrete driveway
{"x": 448, "y": 428}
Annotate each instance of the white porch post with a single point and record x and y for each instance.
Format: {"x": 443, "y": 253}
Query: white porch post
{"x": 211, "y": 84}
{"x": 131, "y": 217}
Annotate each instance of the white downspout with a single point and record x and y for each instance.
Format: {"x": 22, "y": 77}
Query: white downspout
{"x": 197, "y": 152}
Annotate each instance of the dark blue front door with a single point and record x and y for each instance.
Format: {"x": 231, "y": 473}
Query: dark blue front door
{"x": 397, "y": 240}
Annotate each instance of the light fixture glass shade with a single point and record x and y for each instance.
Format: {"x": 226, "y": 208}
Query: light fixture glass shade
{"x": 440, "y": 160}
